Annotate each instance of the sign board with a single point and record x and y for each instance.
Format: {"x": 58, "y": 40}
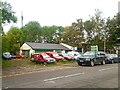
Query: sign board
{"x": 94, "y": 48}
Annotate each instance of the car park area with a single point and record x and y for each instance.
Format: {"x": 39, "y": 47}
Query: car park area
{"x": 61, "y": 72}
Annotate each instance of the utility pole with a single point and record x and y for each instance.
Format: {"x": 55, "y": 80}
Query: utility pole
{"x": 21, "y": 19}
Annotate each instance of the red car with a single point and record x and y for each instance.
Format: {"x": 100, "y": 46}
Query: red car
{"x": 66, "y": 56}
{"x": 42, "y": 57}
{"x": 20, "y": 56}
{"x": 47, "y": 58}
{"x": 54, "y": 55}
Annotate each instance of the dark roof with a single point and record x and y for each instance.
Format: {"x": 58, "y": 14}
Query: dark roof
{"x": 46, "y": 46}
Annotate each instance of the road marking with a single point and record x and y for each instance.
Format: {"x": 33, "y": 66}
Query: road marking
{"x": 107, "y": 68}
{"x": 64, "y": 76}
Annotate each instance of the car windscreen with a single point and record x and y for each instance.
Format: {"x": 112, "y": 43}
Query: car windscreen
{"x": 45, "y": 56}
{"x": 89, "y": 53}
{"x": 55, "y": 55}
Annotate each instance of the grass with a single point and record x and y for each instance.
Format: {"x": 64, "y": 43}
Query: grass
{"x": 27, "y": 62}
{"x": 6, "y": 63}
{"x": 60, "y": 63}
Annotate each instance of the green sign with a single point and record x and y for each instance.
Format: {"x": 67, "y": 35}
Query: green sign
{"x": 94, "y": 48}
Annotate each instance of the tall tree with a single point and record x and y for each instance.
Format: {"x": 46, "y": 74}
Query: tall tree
{"x": 98, "y": 25}
{"x": 114, "y": 32}
{"x": 31, "y": 32}
{"x": 52, "y": 34}
{"x": 74, "y": 34}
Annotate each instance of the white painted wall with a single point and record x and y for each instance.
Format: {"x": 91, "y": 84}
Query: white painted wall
{"x": 26, "y": 47}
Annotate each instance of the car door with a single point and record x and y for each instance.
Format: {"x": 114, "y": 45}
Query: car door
{"x": 98, "y": 57}
{"x": 102, "y": 56}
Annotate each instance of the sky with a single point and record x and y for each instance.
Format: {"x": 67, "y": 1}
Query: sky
{"x": 59, "y": 12}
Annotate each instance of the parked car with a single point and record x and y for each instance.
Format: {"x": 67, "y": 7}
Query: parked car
{"x": 41, "y": 58}
{"x": 13, "y": 56}
{"x": 74, "y": 54}
{"x": 6, "y": 56}
{"x": 54, "y": 55}
{"x": 112, "y": 58}
{"x": 20, "y": 56}
{"x": 37, "y": 58}
{"x": 66, "y": 56}
{"x": 92, "y": 58}
{"x": 47, "y": 58}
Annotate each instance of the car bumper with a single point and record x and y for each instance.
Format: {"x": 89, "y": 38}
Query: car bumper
{"x": 83, "y": 61}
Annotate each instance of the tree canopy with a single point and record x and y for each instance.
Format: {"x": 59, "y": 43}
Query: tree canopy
{"x": 94, "y": 31}
{"x": 7, "y": 14}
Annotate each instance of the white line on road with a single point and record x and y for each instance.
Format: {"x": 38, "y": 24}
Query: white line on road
{"x": 107, "y": 68}
{"x": 63, "y": 76}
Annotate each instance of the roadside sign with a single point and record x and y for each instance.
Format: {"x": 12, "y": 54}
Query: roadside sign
{"x": 94, "y": 48}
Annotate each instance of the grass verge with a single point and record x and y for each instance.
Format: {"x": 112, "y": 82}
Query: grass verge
{"x": 6, "y": 63}
{"x": 27, "y": 62}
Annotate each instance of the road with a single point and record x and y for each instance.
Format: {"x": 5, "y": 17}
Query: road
{"x": 99, "y": 76}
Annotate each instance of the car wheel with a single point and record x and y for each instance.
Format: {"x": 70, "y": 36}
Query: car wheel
{"x": 103, "y": 62}
{"x": 92, "y": 63}
{"x": 80, "y": 64}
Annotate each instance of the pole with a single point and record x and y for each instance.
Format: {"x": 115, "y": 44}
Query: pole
{"x": 21, "y": 19}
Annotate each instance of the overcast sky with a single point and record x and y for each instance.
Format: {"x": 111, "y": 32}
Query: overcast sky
{"x": 60, "y": 12}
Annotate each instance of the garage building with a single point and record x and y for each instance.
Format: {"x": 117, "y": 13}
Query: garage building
{"x": 30, "y": 48}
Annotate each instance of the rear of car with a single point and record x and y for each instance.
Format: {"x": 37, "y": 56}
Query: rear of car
{"x": 112, "y": 58}
{"x": 37, "y": 57}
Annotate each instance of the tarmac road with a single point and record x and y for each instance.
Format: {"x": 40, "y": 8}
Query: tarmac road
{"x": 99, "y": 76}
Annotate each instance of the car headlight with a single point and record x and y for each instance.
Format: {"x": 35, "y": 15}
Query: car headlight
{"x": 87, "y": 59}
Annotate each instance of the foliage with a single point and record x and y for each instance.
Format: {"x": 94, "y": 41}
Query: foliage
{"x": 11, "y": 40}
{"x": 94, "y": 31}
{"x": 7, "y": 15}
{"x": 52, "y": 34}
{"x": 31, "y": 32}
{"x": 74, "y": 34}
